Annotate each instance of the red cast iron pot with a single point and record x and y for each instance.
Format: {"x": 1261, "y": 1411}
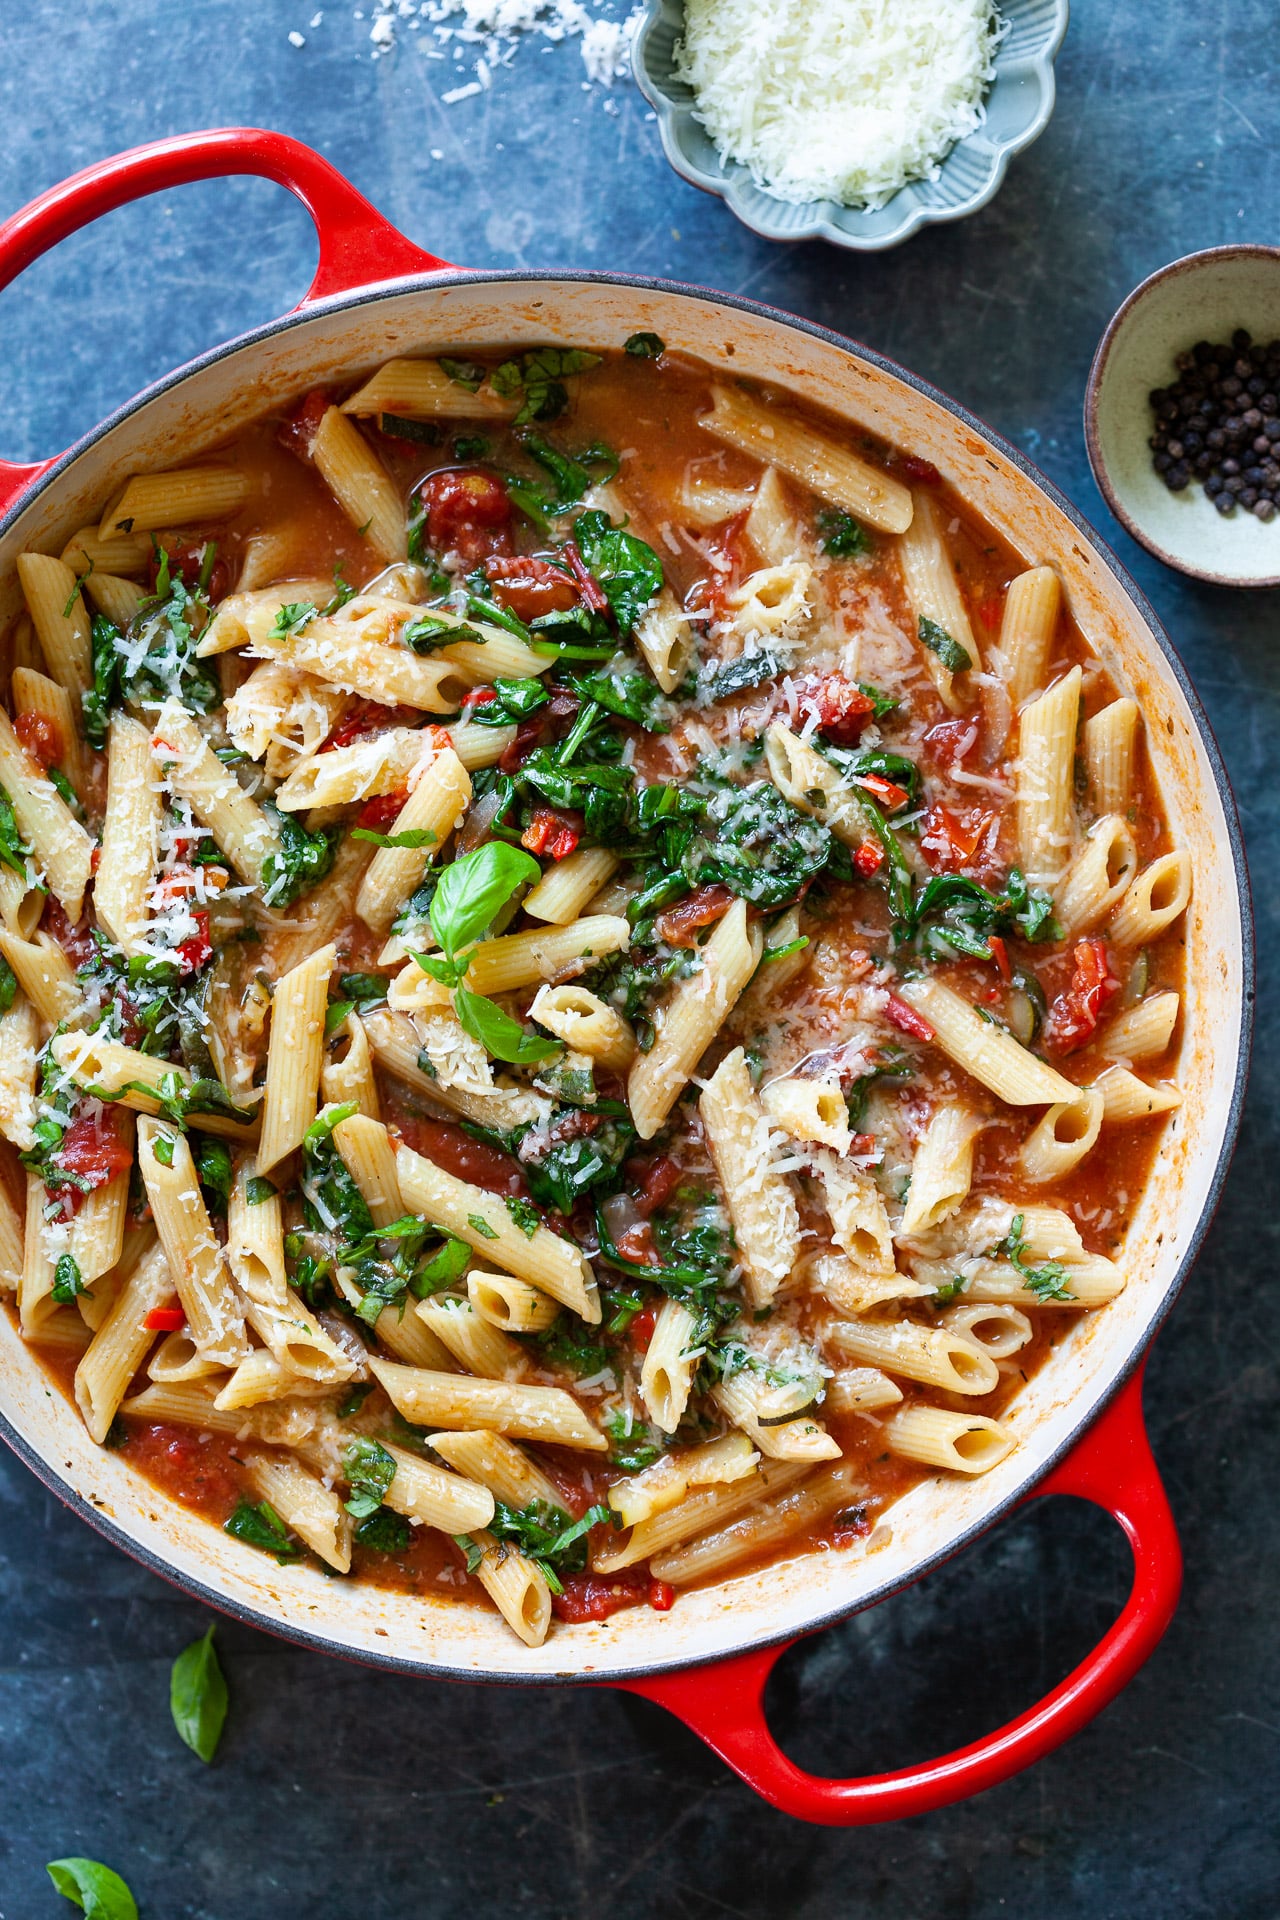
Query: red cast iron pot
{"x": 1079, "y": 1423}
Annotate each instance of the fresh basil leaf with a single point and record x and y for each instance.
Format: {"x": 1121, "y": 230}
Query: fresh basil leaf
{"x": 424, "y": 432}
{"x": 464, "y": 373}
{"x": 478, "y": 1223}
{"x": 101, "y": 1893}
{"x": 498, "y": 1033}
{"x": 334, "y": 1015}
{"x": 366, "y": 989}
{"x": 261, "y": 1526}
{"x": 13, "y": 849}
{"x": 842, "y": 536}
{"x": 303, "y": 861}
{"x": 524, "y": 1214}
{"x": 96, "y": 700}
{"x": 384, "y": 1532}
{"x": 213, "y": 1169}
{"x": 953, "y": 656}
{"x": 292, "y": 618}
{"x": 162, "y": 1148}
{"x": 514, "y": 700}
{"x": 198, "y": 1697}
{"x": 356, "y": 1398}
{"x": 412, "y": 837}
{"x": 473, "y": 890}
{"x": 645, "y": 346}
{"x": 258, "y": 1190}
{"x": 429, "y": 632}
{"x": 67, "y": 1282}
{"x": 370, "y": 1470}
{"x": 629, "y": 571}
{"x": 632, "y": 696}
{"x": 8, "y": 985}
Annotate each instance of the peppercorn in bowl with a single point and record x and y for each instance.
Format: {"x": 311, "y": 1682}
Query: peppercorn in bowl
{"x": 1182, "y": 415}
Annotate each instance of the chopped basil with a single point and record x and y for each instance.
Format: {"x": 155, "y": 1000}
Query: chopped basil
{"x": 645, "y": 346}
{"x": 261, "y": 1526}
{"x": 952, "y": 655}
{"x": 67, "y": 1282}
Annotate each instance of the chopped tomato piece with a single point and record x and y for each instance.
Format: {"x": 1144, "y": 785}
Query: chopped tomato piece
{"x": 94, "y": 1150}
{"x": 654, "y": 1181}
{"x": 1073, "y": 1018}
{"x": 193, "y": 952}
{"x": 165, "y": 1320}
{"x": 887, "y": 790}
{"x": 841, "y": 705}
{"x": 922, "y": 472}
{"x": 298, "y": 429}
{"x": 679, "y": 924}
{"x": 376, "y": 815}
{"x": 950, "y": 839}
{"x": 991, "y": 611}
{"x": 456, "y": 1152}
{"x": 662, "y": 1596}
{"x": 593, "y": 594}
{"x": 641, "y": 1328}
{"x": 368, "y": 716}
{"x": 527, "y": 585}
{"x": 907, "y": 1020}
{"x": 552, "y": 834}
{"x": 869, "y": 858}
{"x": 587, "y": 1596}
{"x": 41, "y": 737}
{"x": 468, "y": 513}
{"x": 636, "y": 1243}
{"x": 76, "y": 942}
{"x": 187, "y": 557}
{"x": 1000, "y": 954}
{"x": 947, "y": 744}
{"x": 479, "y": 697}
{"x": 860, "y": 1145}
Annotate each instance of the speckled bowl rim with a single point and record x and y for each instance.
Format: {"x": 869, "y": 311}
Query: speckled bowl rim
{"x": 822, "y": 225}
{"x": 1188, "y": 263}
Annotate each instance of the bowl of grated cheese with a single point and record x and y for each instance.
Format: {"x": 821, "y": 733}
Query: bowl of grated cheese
{"x": 854, "y": 121}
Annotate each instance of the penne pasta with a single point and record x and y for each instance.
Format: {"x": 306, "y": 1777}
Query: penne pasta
{"x": 686, "y": 1024}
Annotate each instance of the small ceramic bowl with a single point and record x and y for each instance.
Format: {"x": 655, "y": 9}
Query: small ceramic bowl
{"x": 1205, "y": 296}
{"x": 1019, "y": 103}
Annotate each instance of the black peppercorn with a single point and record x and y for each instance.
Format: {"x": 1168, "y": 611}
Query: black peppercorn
{"x": 1219, "y": 422}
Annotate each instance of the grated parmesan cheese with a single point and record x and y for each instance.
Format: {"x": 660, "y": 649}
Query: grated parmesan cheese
{"x": 841, "y": 100}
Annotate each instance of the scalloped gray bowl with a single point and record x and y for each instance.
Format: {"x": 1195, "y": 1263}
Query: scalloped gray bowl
{"x": 1019, "y": 104}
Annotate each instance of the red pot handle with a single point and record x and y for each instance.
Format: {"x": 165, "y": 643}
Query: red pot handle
{"x": 358, "y": 247}
{"x": 1112, "y": 1466}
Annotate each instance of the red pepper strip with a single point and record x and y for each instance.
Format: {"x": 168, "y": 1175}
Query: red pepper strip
{"x": 164, "y": 1320}
{"x": 593, "y": 594}
{"x": 641, "y": 1328}
{"x": 907, "y": 1020}
{"x": 887, "y": 790}
{"x": 869, "y": 858}
{"x": 552, "y": 833}
{"x": 1000, "y": 954}
{"x": 1074, "y": 1016}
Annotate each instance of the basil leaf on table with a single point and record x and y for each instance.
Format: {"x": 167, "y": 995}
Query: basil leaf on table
{"x": 101, "y": 1893}
{"x": 198, "y": 1697}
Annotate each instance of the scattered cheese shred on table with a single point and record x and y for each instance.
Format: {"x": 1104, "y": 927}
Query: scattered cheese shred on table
{"x": 841, "y": 100}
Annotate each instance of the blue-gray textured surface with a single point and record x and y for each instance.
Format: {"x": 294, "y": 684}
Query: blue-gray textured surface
{"x": 340, "y": 1791}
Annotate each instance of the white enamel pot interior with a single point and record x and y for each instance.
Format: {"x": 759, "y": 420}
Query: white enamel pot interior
{"x": 341, "y": 340}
